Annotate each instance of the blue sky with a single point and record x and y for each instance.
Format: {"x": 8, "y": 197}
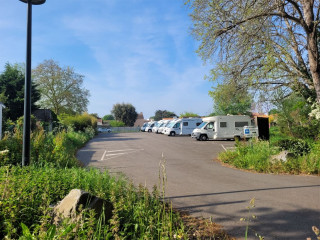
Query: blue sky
{"x": 132, "y": 51}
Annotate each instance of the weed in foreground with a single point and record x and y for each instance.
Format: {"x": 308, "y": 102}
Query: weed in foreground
{"x": 249, "y": 218}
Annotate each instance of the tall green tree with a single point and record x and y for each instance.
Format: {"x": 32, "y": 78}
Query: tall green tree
{"x": 125, "y": 112}
{"x": 159, "y": 114}
{"x": 230, "y": 99}
{"x": 12, "y": 81}
{"x": 264, "y": 44}
{"x": 61, "y": 88}
{"x": 108, "y": 117}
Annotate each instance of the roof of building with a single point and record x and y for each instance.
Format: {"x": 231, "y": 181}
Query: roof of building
{"x": 140, "y": 120}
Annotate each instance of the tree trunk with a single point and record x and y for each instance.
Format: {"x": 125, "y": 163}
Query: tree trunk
{"x": 313, "y": 53}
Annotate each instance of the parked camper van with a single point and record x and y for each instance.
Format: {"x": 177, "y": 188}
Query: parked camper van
{"x": 156, "y": 126}
{"x": 150, "y": 126}
{"x": 164, "y": 125}
{"x": 183, "y": 126}
{"x": 225, "y": 127}
{"x": 143, "y": 128}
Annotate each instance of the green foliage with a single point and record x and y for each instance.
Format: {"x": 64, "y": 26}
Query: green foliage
{"x": 26, "y": 194}
{"x": 293, "y": 118}
{"x": 188, "y": 114}
{"x": 253, "y": 156}
{"x": 257, "y": 156}
{"x": 115, "y": 123}
{"x": 79, "y": 122}
{"x": 12, "y": 82}
{"x": 125, "y": 112}
{"x": 298, "y": 147}
{"x": 108, "y": 117}
{"x": 160, "y": 114}
{"x": 61, "y": 88}
{"x": 229, "y": 99}
{"x": 245, "y": 41}
{"x": 57, "y": 149}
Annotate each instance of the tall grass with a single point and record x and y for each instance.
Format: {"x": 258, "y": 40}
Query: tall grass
{"x": 26, "y": 194}
{"x": 260, "y": 156}
{"x": 57, "y": 148}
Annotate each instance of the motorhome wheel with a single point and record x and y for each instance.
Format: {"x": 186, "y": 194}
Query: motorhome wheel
{"x": 172, "y": 133}
{"x": 203, "y": 137}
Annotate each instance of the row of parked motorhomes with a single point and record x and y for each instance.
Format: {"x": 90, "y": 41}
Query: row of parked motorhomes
{"x": 216, "y": 127}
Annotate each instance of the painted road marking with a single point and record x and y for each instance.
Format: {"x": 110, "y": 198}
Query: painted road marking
{"x": 117, "y": 153}
{"x": 228, "y": 148}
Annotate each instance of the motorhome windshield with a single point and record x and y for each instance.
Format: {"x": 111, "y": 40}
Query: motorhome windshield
{"x": 202, "y": 125}
{"x": 167, "y": 124}
{"x": 171, "y": 124}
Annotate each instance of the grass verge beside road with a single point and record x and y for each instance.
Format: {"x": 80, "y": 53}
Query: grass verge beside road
{"x": 304, "y": 157}
{"x": 26, "y": 194}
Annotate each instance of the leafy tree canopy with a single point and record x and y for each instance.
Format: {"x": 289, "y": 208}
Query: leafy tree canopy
{"x": 159, "y": 114}
{"x": 96, "y": 115}
{"x": 189, "y": 114}
{"x": 108, "y": 117}
{"x": 263, "y": 44}
{"x": 61, "y": 88}
{"x": 125, "y": 112}
{"x": 12, "y": 92}
{"x": 229, "y": 99}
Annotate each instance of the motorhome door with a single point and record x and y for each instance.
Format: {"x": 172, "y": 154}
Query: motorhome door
{"x": 210, "y": 130}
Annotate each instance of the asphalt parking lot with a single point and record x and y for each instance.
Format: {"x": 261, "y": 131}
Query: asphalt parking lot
{"x": 286, "y": 206}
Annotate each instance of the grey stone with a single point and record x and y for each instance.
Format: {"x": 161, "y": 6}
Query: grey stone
{"x": 78, "y": 199}
{"x": 282, "y": 156}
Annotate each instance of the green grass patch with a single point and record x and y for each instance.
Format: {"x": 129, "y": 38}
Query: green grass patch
{"x": 259, "y": 156}
{"x": 27, "y": 192}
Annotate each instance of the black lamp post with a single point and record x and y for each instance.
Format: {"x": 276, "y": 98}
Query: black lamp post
{"x": 27, "y": 86}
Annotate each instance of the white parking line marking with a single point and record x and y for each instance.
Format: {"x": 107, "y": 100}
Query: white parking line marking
{"x": 104, "y": 154}
{"x": 116, "y": 153}
{"x": 228, "y": 148}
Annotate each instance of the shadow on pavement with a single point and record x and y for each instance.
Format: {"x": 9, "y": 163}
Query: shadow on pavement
{"x": 104, "y": 137}
{"x": 243, "y": 191}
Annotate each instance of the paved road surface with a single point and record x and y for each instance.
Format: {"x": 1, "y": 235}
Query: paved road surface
{"x": 286, "y": 206}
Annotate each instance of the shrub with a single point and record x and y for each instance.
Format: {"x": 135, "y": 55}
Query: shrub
{"x": 58, "y": 149}
{"x": 298, "y": 147}
{"x": 258, "y": 156}
{"x": 27, "y": 193}
{"x": 114, "y": 123}
{"x": 79, "y": 122}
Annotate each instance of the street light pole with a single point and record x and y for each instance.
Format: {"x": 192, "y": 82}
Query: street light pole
{"x": 27, "y": 87}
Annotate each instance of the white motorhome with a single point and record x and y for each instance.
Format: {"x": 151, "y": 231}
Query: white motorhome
{"x": 164, "y": 125}
{"x": 183, "y": 126}
{"x": 150, "y": 126}
{"x": 156, "y": 126}
{"x": 225, "y": 127}
{"x": 143, "y": 128}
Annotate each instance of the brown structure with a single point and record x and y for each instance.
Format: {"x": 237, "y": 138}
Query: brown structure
{"x": 140, "y": 120}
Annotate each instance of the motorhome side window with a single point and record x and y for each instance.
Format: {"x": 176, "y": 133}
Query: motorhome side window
{"x": 185, "y": 124}
{"x": 241, "y": 124}
{"x": 223, "y": 124}
{"x": 177, "y": 125}
{"x": 198, "y": 124}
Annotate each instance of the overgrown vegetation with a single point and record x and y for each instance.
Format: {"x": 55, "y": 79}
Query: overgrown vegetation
{"x": 26, "y": 194}
{"x": 260, "y": 156}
